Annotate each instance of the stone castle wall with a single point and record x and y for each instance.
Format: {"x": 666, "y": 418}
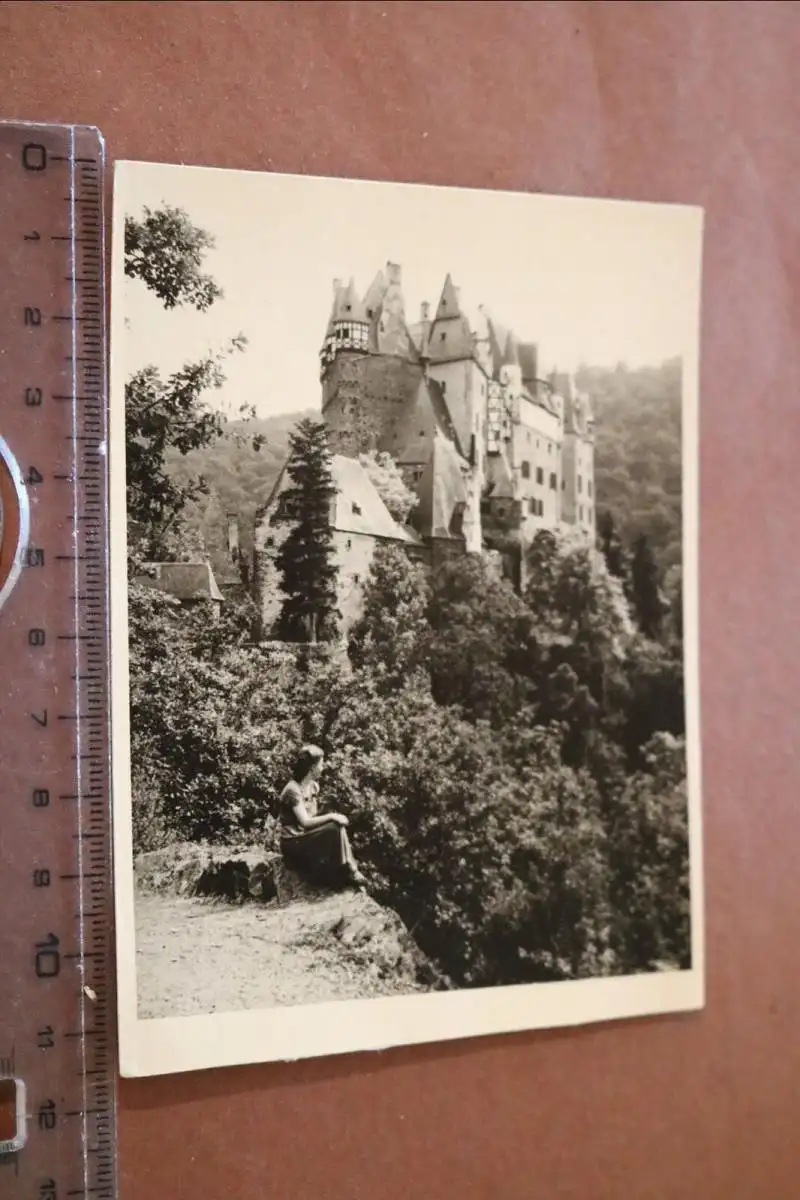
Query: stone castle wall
{"x": 363, "y": 395}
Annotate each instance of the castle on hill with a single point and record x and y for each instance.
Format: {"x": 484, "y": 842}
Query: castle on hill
{"x": 492, "y": 451}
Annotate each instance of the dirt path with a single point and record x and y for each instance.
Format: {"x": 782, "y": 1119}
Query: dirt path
{"x": 197, "y": 956}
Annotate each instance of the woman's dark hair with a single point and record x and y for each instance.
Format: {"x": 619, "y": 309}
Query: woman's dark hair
{"x": 306, "y": 759}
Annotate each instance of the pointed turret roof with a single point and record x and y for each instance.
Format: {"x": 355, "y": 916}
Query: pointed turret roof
{"x": 347, "y": 306}
{"x": 448, "y": 301}
{"x": 373, "y": 297}
{"x": 451, "y": 337}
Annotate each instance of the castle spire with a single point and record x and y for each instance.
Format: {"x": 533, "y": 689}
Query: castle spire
{"x": 451, "y": 337}
{"x": 448, "y": 302}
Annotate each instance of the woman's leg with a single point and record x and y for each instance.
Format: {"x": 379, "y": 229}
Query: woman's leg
{"x": 348, "y": 858}
{"x": 349, "y": 864}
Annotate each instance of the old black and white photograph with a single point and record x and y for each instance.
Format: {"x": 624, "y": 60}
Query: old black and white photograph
{"x": 404, "y": 571}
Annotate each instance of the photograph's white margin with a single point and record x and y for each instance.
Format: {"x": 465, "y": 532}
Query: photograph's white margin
{"x": 163, "y": 1046}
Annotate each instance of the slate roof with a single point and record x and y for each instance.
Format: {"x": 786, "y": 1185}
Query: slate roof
{"x": 357, "y": 507}
{"x": 184, "y": 581}
{"x": 427, "y": 414}
{"x": 441, "y": 489}
{"x": 451, "y": 334}
{"x": 347, "y": 306}
{"x": 373, "y": 297}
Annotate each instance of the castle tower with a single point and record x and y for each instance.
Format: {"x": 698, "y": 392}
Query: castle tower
{"x": 347, "y": 332}
{"x": 453, "y": 364}
{"x": 370, "y": 367}
{"x": 578, "y": 488}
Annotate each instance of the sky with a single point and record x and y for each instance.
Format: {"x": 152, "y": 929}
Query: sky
{"x": 593, "y": 281}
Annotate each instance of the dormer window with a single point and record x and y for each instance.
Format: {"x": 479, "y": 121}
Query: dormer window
{"x": 357, "y": 509}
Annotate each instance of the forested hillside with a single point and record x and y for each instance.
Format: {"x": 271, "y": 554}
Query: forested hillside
{"x": 638, "y": 453}
{"x": 239, "y": 479}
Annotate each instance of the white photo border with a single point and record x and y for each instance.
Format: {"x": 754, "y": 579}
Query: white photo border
{"x": 175, "y": 1044}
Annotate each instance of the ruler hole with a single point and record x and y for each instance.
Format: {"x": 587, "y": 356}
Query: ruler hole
{"x": 12, "y": 1115}
{"x": 13, "y": 520}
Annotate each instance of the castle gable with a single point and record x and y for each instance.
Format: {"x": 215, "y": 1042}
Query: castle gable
{"x": 442, "y": 491}
{"x": 425, "y": 417}
{"x": 357, "y": 506}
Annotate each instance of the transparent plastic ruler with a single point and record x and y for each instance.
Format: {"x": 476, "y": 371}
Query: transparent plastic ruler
{"x": 57, "y": 1060}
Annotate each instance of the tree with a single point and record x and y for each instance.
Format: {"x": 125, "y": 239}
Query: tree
{"x": 612, "y": 548}
{"x": 645, "y": 592}
{"x": 166, "y": 251}
{"x": 391, "y": 637}
{"x": 163, "y": 415}
{"x": 306, "y": 559}
{"x": 478, "y": 624}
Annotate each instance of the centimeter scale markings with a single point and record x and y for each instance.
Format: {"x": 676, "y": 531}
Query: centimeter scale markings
{"x": 56, "y": 973}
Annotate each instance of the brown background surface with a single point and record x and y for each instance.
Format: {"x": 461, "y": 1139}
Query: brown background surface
{"x": 692, "y": 102}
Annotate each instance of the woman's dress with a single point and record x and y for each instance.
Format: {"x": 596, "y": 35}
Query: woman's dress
{"x": 322, "y": 854}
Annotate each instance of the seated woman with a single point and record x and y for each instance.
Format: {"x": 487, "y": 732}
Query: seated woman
{"x": 316, "y": 847}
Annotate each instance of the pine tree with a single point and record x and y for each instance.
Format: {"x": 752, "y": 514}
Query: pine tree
{"x": 645, "y": 591}
{"x": 612, "y": 548}
{"x": 306, "y": 560}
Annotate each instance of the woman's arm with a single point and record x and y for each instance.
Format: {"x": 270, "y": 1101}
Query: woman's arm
{"x": 305, "y": 821}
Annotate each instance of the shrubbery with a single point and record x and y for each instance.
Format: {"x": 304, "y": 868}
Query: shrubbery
{"x": 509, "y": 790}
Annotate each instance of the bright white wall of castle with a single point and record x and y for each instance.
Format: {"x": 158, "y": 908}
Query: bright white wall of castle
{"x": 577, "y": 497}
{"x": 536, "y": 448}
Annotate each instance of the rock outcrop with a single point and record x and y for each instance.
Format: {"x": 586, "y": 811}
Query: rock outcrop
{"x": 345, "y": 938}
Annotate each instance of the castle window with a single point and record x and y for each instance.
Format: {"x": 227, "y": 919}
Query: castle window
{"x": 553, "y": 480}
{"x": 539, "y": 475}
{"x": 563, "y": 485}
{"x": 442, "y": 337}
{"x": 348, "y": 544}
{"x": 580, "y": 513}
{"x": 525, "y": 469}
{"x": 589, "y": 488}
{"x": 580, "y": 484}
{"x": 357, "y": 509}
{"x": 532, "y": 505}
